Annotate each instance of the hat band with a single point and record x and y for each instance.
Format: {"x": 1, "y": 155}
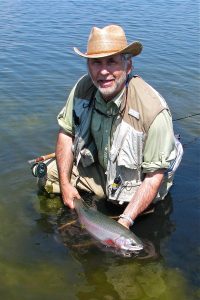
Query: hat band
{"x": 104, "y": 52}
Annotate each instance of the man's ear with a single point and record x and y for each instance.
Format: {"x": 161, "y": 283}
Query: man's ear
{"x": 129, "y": 66}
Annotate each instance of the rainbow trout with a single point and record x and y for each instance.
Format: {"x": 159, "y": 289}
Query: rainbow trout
{"x": 106, "y": 230}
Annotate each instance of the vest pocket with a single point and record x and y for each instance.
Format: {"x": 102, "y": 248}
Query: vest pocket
{"x": 130, "y": 154}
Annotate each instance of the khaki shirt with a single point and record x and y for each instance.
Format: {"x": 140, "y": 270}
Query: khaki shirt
{"x": 159, "y": 148}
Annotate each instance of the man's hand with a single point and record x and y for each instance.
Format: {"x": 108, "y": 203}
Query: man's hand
{"x": 69, "y": 194}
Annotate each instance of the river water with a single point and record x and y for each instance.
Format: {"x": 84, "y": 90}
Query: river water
{"x": 40, "y": 259}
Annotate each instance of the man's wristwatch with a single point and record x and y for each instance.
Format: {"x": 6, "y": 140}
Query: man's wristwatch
{"x": 127, "y": 217}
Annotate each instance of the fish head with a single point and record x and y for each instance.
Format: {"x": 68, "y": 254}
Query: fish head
{"x": 128, "y": 244}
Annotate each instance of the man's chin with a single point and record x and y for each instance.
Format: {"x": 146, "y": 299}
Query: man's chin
{"x": 107, "y": 92}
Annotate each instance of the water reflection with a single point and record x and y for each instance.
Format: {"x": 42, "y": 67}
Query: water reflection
{"x": 157, "y": 226}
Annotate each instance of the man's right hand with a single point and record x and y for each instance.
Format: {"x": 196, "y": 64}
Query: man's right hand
{"x": 69, "y": 194}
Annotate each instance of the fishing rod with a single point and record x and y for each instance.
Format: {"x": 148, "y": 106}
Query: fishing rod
{"x": 41, "y": 158}
{"x": 39, "y": 168}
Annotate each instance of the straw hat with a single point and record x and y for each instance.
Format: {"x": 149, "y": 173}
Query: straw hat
{"x": 108, "y": 41}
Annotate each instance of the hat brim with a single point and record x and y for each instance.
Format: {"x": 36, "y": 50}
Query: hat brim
{"x": 133, "y": 49}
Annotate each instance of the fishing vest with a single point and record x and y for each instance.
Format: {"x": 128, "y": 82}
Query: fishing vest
{"x": 140, "y": 106}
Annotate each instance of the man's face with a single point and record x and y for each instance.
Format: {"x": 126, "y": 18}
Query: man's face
{"x": 109, "y": 74}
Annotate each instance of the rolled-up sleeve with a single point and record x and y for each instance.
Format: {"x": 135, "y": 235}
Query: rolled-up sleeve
{"x": 160, "y": 148}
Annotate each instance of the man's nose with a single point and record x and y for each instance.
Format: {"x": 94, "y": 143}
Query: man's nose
{"x": 104, "y": 70}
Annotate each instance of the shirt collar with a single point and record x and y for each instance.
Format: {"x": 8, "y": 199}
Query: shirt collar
{"x": 109, "y": 107}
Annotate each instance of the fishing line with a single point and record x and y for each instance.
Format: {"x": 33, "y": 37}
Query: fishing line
{"x": 186, "y": 117}
{"x": 191, "y": 142}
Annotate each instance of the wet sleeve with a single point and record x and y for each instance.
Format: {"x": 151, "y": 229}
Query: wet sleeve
{"x": 160, "y": 148}
{"x": 65, "y": 117}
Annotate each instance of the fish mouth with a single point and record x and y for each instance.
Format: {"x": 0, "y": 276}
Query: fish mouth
{"x": 129, "y": 244}
{"x": 134, "y": 248}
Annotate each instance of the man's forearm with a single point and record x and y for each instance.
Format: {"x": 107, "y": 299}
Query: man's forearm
{"x": 144, "y": 195}
{"x": 64, "y": 157}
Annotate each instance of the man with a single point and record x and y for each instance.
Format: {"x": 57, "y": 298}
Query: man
{"x": 116, "y": 137}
